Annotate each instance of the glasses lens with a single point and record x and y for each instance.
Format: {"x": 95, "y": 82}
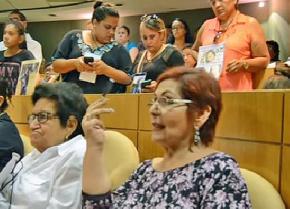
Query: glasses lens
{"x": 30, "y": 118}
{"x": 162, "y": 101}
{"x": 42, "y": 117}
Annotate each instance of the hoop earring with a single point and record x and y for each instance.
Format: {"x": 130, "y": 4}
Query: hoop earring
{"x": 197, "y": 139}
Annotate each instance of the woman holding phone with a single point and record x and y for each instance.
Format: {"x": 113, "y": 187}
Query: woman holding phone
{"x": 158, "y": 56}
{"x": 107, "y": 69}
{"x": 11, "y": 58}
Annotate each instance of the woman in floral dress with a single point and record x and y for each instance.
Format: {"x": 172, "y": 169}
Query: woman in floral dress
{"x": 184, "y": 112}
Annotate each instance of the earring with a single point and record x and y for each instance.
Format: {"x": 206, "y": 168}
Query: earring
{"x": 197, "y": 138}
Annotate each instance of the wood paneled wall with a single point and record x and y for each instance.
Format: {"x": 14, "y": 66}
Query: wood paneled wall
{"x": 254, "y": 127}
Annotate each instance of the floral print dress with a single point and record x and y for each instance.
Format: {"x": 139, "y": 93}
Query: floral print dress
{"x": 214, "y": 181}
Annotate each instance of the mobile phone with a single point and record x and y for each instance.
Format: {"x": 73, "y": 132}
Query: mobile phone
{"x": 145, "y": 83}
{"x": 88, "y": 60}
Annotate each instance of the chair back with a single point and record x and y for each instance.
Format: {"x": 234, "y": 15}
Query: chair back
{"x": 262, "y": 193}
{"x": 121, "y": 157}
{"x": 26, "y": 143}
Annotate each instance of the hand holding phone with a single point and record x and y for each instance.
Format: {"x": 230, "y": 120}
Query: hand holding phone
{"x": 88, "y": 60}
{"x": 145, "y": 83}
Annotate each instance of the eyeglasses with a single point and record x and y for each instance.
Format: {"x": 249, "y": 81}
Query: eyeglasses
{"x": 151, "y": 20}
{"x": 166, "y": 102}
{"x": 41, "y": 117}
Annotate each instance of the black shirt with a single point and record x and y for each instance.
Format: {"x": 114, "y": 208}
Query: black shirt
{"x": 10, "y": 66}
{"x": 115, "y": 55}
{"x": 170, "y": 57}
{"x": 10, "y": 140}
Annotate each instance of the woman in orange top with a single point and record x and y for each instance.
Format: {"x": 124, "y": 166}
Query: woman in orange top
{"x": 245, "y": 49}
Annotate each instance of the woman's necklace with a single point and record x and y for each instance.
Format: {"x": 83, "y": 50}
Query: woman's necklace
{"x": 224, "y": 27}
{"x": 150, "y": 57}
{"x": 95, "y": 43}
{"x": 219, "y": 34}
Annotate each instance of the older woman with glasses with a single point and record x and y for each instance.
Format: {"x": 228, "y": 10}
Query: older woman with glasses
{"x": 184, "y": 112}
{"x": 158, "y": 56}
{"x": 50, "y": 176}
{"x": 244, "y": 48}
{"x": 91, "y": 59}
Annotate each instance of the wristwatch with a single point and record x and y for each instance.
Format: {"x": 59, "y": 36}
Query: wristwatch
{"x": 245, "y": 65}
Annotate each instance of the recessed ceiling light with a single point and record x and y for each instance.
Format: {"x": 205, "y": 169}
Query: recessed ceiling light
{"x": 261, "y": 4}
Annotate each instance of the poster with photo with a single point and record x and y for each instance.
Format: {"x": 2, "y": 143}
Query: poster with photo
{"x": 138, "y": 78}
{"x": 27, "y": 77}
{"x": 211, "y": 58}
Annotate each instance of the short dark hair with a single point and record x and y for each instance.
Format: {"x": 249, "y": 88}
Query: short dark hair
{"x": 19, "y": 27}
{"x": 275, "y": 47}
{"x": 126, "y": 28}
{"x": 277, "y": 82}
{"x": 6, "y": 92}
{"x": 69, "y": 100}
{"x": 102, "y": 10}
{"x": 20, "y": 14}
{"x": 204, "y": 90}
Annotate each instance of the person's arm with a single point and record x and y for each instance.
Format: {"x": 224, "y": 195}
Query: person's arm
{"x": 64, "y": 66}
{"x": 95, "y": 177}
{"x": 227, "y": 188}
{"x": 259, "y": 52}
{"x": 62, "y": 63}
{"x": 197, "y": 43}
{"x": 119, "y": 76}
{"x": 133, "y": 53}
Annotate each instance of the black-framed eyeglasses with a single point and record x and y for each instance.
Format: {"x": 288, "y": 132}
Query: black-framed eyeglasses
{"x": 41, "y": 117}
{"x": 166, "y": 102}
{"x": 151, "y": 20}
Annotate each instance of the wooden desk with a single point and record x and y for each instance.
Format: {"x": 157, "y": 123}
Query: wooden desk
{"x": 254, "y": 127}
{"x": 253, "y": 116}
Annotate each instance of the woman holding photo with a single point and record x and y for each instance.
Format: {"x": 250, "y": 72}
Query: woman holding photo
{"x": 245, "y": 50}
{"x": 12, "y": 57}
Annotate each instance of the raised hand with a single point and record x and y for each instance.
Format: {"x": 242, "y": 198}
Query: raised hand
{"x": 92, "y": 125}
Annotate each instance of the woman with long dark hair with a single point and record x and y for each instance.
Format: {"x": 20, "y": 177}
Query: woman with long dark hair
{"x": 181, "y": 35}
{"x": 11, "y": 58}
